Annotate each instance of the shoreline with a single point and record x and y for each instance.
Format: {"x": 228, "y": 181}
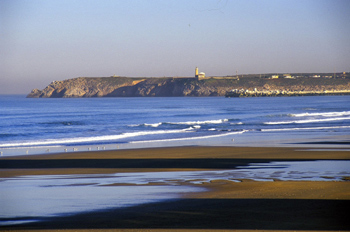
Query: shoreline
{"x": 175, "y": 152}
{"x": 263, "y": 139}
{"x": 246, "y": 205}
{"x": 283, "y": 93}
{"x": 159, "y": 159}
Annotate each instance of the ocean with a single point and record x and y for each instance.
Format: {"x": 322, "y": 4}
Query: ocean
{"x": 34, "y": 126}
{"x": 37, "y": 126}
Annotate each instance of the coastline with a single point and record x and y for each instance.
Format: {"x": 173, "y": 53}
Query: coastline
{"x": 189, "y": 86}
{"x": 160, "y": 159}
{"x": 308, "y": 202}
{"x": 283, "y": 93}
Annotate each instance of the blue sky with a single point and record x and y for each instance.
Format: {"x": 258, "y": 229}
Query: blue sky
{"x": 46, "y": 40}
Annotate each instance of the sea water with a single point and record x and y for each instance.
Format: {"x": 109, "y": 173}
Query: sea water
{"x": 31, "y": 126}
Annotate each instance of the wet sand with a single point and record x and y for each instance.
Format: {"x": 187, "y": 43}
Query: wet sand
{"x": 246, "y": 205}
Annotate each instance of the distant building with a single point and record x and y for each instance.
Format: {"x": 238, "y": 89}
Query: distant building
{"x": 288, "y": 76}
{"x": 274, "y": 77}
{"x": 344, "y": 75}
{"x": 199, "y": 76}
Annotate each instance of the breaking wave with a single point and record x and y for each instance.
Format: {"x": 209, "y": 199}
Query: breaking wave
{"x": 200, "y": 122}
{"x": 307, "y": 128}
{"x": 218, "y": 121}
{"x": 67, "y": 141}
{"x": 153, "y": 125}
{"x": 190, "y": 138}
{"x": 328, "y": 114}
{"x": 308, "y": 121}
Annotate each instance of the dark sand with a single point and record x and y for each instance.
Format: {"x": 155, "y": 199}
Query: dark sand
{"x": 244, "y": 206}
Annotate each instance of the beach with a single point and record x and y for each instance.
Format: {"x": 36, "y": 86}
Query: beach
{"x": 242, "y": 204}
{"x": 180, "y": 116}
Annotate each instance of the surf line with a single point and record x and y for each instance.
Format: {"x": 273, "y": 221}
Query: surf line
{"x": 96, "y": 139}
{"x": 308, "y": 121}
{"x": 191, "y": 138}
{"x": 307, "y": 128}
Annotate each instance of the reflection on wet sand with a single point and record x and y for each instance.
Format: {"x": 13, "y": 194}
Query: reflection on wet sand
{"x": 228, "y": 188}
{"x": 40, "y": 196}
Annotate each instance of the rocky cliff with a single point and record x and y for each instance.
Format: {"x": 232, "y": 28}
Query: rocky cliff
{"x": 81, "y": 87}
{"x": 166, "y": 87}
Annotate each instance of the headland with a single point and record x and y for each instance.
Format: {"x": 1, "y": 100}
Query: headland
{"x": 200, "y": 85}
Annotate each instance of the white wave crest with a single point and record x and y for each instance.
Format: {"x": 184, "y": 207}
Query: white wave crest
{"x": 200, "y": 122}
{"x": 190, "y": 123}
{"x": 153, "y": 124}
{"x": 94, "y": 139}
{"x": 328, "y": 114}
{"x": 237, "y": 123}
{"x": 307, "y": 128}
{"x": 308, "y": 121}
{"x": 190, "y": 138}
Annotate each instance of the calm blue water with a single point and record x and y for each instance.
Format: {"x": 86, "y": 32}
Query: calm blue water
{"x": 53, "y": 125}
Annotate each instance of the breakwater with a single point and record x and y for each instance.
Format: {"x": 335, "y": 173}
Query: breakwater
{"x": 278, "y": 93}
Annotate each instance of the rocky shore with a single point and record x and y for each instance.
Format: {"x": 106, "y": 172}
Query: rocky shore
{"x": 278, "y": 93}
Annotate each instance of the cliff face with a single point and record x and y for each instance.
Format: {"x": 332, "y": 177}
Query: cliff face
{"x": 128, "y": 87}
{"x": 167, "y": 87}
{"x": 81, "y": 87}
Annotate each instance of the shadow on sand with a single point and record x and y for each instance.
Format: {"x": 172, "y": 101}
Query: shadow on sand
{"x": 133, "y": 163}
{"x": 266, "y": 214}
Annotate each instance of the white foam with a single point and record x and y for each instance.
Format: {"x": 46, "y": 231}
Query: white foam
{"x": 308, "y": 128}
{"x": 328, "y": 114}
{"x": 200, "y": 122}
{"x": 153, "y": 124}
{"x": 217, "y": 121}
{"x": 93, "y": 139}
{"x": 308, "y": 121}
{"x": 190, "y": 138}
{"x": 238, "y": 123}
